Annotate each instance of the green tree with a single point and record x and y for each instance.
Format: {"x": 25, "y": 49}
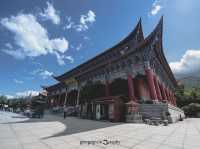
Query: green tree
{"x": 180, "y": 91}
{"x": 192, "y": 109}
{"x": 3, "y": 100}
{"x": 193, "y": 94}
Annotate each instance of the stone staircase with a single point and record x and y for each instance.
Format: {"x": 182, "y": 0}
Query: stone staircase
{"x": 153, "y": 110}
{"x": 162, "y": 111}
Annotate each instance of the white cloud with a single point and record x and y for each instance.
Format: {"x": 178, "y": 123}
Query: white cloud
{"x": 45, "y": 74}
{"x": 50, "y": 13}
{"x": 70, "y": 23}
{"x": 41, "y": 72}
{"x": 70, "y": 58}
{"x": 86, "y": 38}
{"x": 31, "y": 38}
{"x": 90, "y": 17}
{"x": 23, "y": 94}
{"x": 189, "y": 64}
{"x": 8, "y": 45}
{"x": 9, "y": 96}
{"x": 84, "y": 22}
{"x": 18, "y": 81}
{"x": 35, "y": 72}
{"x": 37, "y": 63}
{"x": 156, "y": 7}
{"x": 27, "y": 93}
{"x": 79, "y": 47}
{"x": 18, "y": 54}
{"x": 60, "y": 59}
{"x": 60, "y": 44}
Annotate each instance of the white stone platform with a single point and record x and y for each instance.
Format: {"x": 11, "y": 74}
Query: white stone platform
{"x": 160, "y": 110}
{"x": 48, "y": 134}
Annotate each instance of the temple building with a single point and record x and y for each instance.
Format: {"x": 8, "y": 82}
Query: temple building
{"x": 131, "y": 77}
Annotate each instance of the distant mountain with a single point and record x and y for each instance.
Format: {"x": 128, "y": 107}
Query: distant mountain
{"x": 190, "y": 81}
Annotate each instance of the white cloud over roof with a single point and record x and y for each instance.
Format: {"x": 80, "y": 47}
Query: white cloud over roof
{"x": 70, "y": 58}
{"x": 189, "y": 64}
{"x": 41, "y": 72}
{"x": 50, "y": 13}
{"x": 84, "y": 22}
{"x": 45, "y": 74}
{"x": 156, "y": 7}
{"x": 89, "y": 18}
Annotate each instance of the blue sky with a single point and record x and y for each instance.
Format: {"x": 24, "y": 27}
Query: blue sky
{"x": 42, "y": 38}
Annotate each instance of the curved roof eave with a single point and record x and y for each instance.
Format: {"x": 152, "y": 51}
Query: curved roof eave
{"x": 137, "y": 30}
{"x": 149, "y": 38}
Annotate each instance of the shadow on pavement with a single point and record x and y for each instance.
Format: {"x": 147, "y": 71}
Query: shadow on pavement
{"x": 72, "y": 124}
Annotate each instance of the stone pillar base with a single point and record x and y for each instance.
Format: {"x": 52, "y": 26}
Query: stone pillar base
{"x": 134, "y": 118}
{"x": 132, "y": 107}
{"x": 156, "y": 101}
{"x": 132, "y": 115}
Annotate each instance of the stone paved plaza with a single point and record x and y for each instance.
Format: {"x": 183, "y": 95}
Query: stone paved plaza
{"x": 53, "y": 132}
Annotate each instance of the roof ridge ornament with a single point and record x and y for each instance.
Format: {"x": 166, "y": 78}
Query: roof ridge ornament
{"x": 141, "y": 30}
{"x": 158, "y": 31}
{"x": 139, "y": 36}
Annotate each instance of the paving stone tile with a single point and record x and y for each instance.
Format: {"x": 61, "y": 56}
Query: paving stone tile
{"x": 169, "y": 147}
{"x": 34, "y": 145}
{"x": 129, "y": 143}
{"x": 10, "y": 146}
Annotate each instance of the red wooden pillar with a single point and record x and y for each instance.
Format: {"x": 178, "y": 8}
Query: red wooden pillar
{"x": 131, "y": 88}
{"x": 166, "y": 92}
{"x": 65, "y": 100}
{"x": 107, "y": 88}
{"x": 157, "y": 88}
{"x": 171, "y": 97}
{"x": 163, "y": 92}
{"x": 174, "y": 99}
{"x": 48, "y": 103}
{"x": 167, "y": 95}
{"x": 78, "y": 96}
{"x": 51, "y": 102}
{"x": 57, "y": 100}
{"x": 54, "y": 101}
{"x": 60, "y": 99}
{"x": 151, "y": 84}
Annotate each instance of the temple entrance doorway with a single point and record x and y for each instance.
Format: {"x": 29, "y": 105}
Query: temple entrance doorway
{"x": 102, "y": 111}
{"x": 98, "y": 111}
{"x": 110, "y": 108}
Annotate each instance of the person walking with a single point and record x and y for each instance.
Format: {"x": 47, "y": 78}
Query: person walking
{"x": 65, "y": 112}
